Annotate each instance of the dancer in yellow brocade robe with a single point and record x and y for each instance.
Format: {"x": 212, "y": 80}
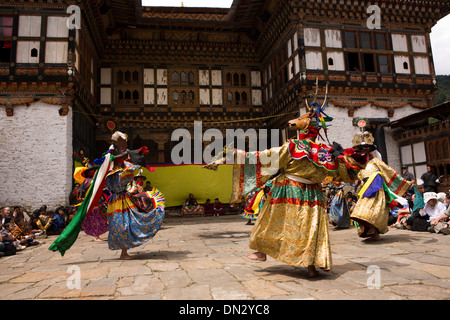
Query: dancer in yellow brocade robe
{"x": 292, "y": 226}
{"x": 382, "y": 184}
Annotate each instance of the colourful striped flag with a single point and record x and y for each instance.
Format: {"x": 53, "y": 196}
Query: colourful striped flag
{"x": 70, "y": 234}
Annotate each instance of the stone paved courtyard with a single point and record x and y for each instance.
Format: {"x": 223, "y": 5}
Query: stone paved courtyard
{"x": 204, "y": 259}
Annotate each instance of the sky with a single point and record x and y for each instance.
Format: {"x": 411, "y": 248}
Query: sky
{"x": 440, "y": 35}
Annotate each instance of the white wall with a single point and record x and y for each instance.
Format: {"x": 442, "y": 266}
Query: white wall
{"x": 342, "y": 129}
{"x": 37, "y": 162}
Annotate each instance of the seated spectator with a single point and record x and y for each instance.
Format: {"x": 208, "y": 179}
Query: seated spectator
{"x": 44, "y": 221}
{"x": 20, "y": 233}
{"x": 432, "y": 210}
{"x": 441, "y": 223}
{"x": 148, "y": 186}
{"x": 191, "y": 207}
{"x": 209, "y": 208}
{"x": 6, "y": 215}
{"x": 7, "y": 236}
{"x": 7, "y": 248}
{"x": 57, "y": 222}
{"x": 17, "y": 213}
{"x": 218, "y": 208}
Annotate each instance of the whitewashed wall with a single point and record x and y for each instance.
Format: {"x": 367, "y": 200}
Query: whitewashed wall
{"x": 342, "y": 129}
{"x": 36, "y": 166}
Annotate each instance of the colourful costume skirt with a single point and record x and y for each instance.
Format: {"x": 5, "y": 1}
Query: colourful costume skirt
{"x": 292, "y": 226}
{"x": 371, "y": 212}
{"x": 134, "y": 219}
{"x": 95, "y": 223}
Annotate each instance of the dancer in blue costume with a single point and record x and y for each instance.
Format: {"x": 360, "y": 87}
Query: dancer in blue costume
{"x": 133, "y": 219}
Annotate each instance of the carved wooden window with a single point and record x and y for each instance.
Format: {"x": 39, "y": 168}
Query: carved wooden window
{"x": 237, "y": 98}
{"x": 183, "y": 79}
{"x": 119, "y": 77}
{"x": 244, "y": 98}
{"x": 183, "y": 87}
{"x": 175, "y": 78}
{"x": 230, "y": 97}
{"x": 191, "y": 97}
{"x": 127, "y": 88}
{"x": 175, "y": 96}
{"x": 236, "y": 80}
{"x": 228, "y": 80}
{"x": 135, "y": 77}
{"x": 243, "y": 80}
{"x": 127, "y": 77}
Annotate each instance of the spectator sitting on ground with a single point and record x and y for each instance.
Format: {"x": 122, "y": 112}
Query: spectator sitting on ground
{"x": 209, "y": 208}
{"x": 7, "y": 248}
{"x": 8, "y": 237}
{"x": 441, "y": 223}
{"x": 218, "y": 207}
{"x": 57, "y": 222}
{"x": 44, "y": 221}
{"x": 6, "y": 215}
{"x": 20, "y": 233}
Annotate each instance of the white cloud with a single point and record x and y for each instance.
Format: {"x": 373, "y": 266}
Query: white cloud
{"x": 440, "y": 44}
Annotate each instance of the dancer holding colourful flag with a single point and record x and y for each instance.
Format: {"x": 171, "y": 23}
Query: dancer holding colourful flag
{"x": 132, "y": 221}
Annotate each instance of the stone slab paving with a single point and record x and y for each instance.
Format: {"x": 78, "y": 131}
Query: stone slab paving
{"x": 204, "y": 259}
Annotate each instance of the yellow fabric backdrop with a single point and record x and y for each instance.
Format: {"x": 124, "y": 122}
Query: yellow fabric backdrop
{"x": 176, "y": 182}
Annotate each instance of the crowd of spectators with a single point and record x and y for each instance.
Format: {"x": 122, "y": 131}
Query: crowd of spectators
{"x": 20, "y": 229}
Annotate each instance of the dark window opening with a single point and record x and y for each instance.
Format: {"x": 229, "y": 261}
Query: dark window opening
{"x": 5, "y": 51}
{"x": 405, "y": 65}
{"x": 135, "y": 77}
{"x": 353, "y": 62}
{"x": 236, "y": 80}
{"x": 330, "y": 62}
{"x": 127, "y": 79}
{"x": 119, "y": 77}
{"x": 191, "y": 78}
{"x": 369, "y": 62}
{"x": 244, "y": 98}
{"x": 243, "y": 80}
{"x": 228, "y": 79}
{"x": 34, "y": 52}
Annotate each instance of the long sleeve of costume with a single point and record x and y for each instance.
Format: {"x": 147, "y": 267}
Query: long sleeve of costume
{"x": 300, "y": 160}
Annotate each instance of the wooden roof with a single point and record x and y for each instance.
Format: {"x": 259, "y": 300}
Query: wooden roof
{"x": 440, "y": 112}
